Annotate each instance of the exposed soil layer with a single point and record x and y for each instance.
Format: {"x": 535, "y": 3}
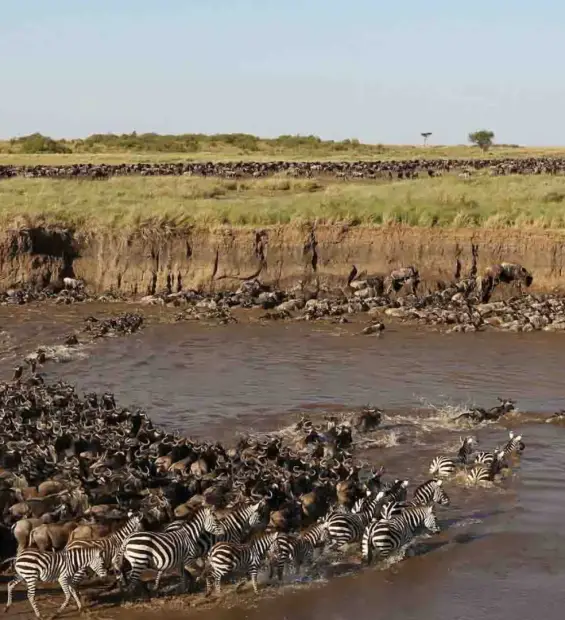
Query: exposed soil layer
{"x": 222, "y": 258}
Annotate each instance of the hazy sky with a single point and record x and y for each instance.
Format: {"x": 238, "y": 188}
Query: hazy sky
{"x": 380, "y": 71}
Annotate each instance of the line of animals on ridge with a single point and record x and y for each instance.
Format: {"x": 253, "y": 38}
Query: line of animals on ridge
{"x": 262, "y": 482}
{"x": 363, "y": 169}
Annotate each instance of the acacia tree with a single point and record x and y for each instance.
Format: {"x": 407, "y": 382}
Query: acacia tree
{"x": 426, "y": 135}
{"x": 482, "y": 138}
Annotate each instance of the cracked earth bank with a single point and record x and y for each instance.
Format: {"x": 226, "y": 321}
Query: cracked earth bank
{"x": 146, "y": 261}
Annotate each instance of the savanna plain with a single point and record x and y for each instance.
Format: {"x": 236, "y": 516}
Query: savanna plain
{"x": 277, "y": 361}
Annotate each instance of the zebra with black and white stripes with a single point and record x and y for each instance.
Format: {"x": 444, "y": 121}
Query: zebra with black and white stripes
{"x": 392, "y": 492}
{"x": 227, "y": 557}
{"x": 110, "y": 546}
{"x": 486, "y": 473}
{"x": 345, "y": 528}
{"x": 162, "y": 551}
{"x": 514, "y": 444}
{"x": 429, "y": 492}
{"x": 444, "y": 466}
{"x": 236, "y": 526}
{"x": 297, "y": 549}
{"x": 390, "y": 535}
{"x": 32, "y": 565}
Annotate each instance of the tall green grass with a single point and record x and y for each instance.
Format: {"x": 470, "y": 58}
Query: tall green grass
{"x": 141, "y": 203}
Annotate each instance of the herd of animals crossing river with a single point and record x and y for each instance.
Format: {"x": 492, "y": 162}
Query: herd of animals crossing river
{"x": 282, "y": 499}
{"x": 90, "y": 487}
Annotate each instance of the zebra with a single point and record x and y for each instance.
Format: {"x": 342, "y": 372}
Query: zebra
{"x": 391, "y": 492}
{"x": 235, "y": 525}
{"x": 428, "y": 492}
{"x": 395, "y": 491}
{"x": 346, "y": 528}
{"x": 393, "y": 534}
{"x": 443, "y": 466}
{"x": 297, "y": 549}
{"x": 162, "y": 551}
{"x": 514, "y": 444}
{"x": 486, "y": 473}
{"x": 32, "y": 565}
{"x": 110, "y": 546}
{"x": 227, "y": 557}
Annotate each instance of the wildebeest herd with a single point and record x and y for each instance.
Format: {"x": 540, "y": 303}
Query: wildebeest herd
{"x": 386, "y": 169}
{"x": 86, "y": 485}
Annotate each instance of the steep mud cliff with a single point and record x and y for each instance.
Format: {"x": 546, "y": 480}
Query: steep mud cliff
{"x": 223, "y": 257}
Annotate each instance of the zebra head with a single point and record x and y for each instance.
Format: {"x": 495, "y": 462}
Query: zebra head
{"x": 515, "y": 442}
{"x": 256, "y": 513}
{"x": 430, "y": 521}
{"x": 96, "y": 563}
{"x": 440, "y": 496}
{"x": 210, "y": 522}
{"x": 135, "y": 522}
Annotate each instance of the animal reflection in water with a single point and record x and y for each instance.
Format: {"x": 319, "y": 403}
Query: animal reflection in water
{"x": 90, "y": 486}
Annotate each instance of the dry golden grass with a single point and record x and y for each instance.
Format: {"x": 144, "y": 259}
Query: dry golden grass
{"x": 268, "y": 153}
{"x": 139, "y": 203}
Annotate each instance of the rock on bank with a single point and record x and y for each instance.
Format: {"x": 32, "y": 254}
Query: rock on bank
{"x": 145, "y": 262}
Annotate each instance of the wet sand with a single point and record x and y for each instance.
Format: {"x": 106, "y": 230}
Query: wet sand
{"x": 501, "y": 553}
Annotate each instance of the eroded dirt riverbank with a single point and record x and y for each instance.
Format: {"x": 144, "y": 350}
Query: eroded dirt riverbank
{"x": 136, "y": 264}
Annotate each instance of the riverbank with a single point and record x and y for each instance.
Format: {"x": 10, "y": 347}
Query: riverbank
{"x": 137, "y": 236}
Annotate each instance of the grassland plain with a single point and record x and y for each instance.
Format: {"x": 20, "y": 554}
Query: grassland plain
{"x": 131, "y": 233}
{"x": 130, "y": 204}
{"x": 37, "y": 149}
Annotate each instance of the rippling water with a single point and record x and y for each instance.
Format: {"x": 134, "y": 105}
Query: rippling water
{"x": 502, "y": 553}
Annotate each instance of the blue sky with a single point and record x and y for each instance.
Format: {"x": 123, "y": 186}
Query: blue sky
{"x": 379, "y": 71}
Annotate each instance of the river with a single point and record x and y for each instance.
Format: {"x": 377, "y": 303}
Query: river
{"x": 501, "y": 553}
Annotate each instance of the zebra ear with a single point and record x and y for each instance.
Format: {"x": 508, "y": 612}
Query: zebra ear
{"x": 439, "y": 483}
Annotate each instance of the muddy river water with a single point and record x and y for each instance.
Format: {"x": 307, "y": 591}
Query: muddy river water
{"x": 501, "y": 553}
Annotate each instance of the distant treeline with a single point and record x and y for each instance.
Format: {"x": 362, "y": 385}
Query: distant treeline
{"x": 193, "y": 143}
{"x": 183, "y": 143}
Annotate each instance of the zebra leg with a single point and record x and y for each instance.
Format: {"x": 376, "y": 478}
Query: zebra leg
{"x": 253, "y": 576}
{"x": 158, "y": 579}
{"x": 65, "y": 586}
{"x": 31, "y": 596}
{"x": 209, "y": 584}
{"x": 187, "y": 579}
{"x": 17, "y": 579}
{"x": 78, "y": 577}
